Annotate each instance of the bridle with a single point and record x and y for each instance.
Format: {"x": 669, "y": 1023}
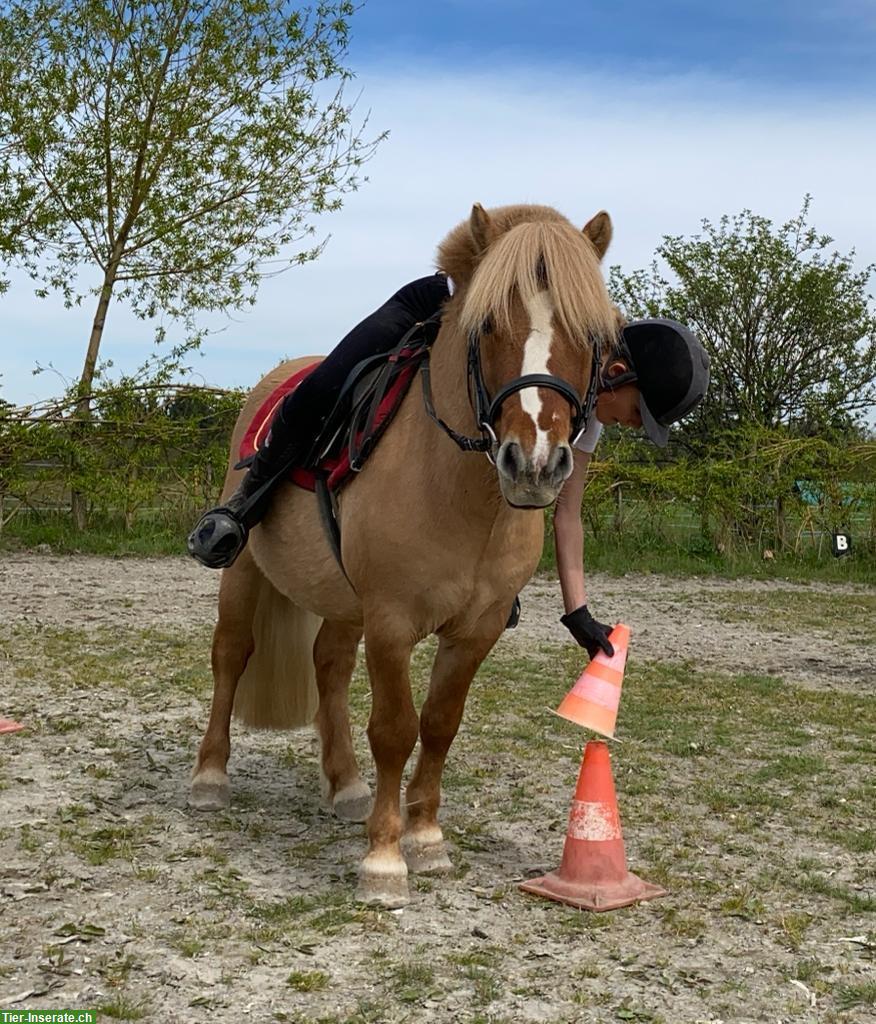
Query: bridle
{"x": 487, "y": 409}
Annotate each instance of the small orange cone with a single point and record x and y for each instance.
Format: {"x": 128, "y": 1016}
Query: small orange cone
{"x": 593, "y": 701}
{"x": 593, "y": 874}
{"x": 7, "y": 725}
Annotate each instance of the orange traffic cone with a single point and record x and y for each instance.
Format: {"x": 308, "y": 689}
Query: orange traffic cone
{"x": 593, "y": 874}
{"x": 7, "y": 725}
{"x": 593, "y": 701}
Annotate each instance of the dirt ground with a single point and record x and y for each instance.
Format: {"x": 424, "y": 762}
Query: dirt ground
{"x": 114, "y": 894}
{"x": 690, "y": 619}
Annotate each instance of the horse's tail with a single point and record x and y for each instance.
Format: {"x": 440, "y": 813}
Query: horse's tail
{"x": 278, "y": 687}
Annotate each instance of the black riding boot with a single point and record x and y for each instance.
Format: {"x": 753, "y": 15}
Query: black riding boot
{"x": 221, "y": 534}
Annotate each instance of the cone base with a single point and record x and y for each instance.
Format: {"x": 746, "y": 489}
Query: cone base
{"x": 596, "y": 896}
{"x": 7, "y": 725}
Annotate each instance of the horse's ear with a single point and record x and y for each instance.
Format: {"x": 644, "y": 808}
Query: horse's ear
{"x": 481, "y": 227}
{"x": 597, "y": 231}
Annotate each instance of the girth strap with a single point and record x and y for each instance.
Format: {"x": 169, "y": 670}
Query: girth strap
{"x": 328, "y": 514}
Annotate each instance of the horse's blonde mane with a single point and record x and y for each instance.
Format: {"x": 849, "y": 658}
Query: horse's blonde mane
{"x": 535, "y": 247}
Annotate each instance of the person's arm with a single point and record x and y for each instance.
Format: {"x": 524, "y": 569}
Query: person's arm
{"x": 569, "y": 534}
{"x": 569, "y": 547}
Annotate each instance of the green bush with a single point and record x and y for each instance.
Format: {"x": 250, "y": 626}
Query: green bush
{"x": 153, "y": 455}
{"x": 749, "y": 500}
{"x": 145, "y": 451}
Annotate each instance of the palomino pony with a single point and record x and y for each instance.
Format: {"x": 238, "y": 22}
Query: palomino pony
{"x": 435, "y": 538}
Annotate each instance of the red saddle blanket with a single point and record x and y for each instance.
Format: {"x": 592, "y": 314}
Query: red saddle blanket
{"x": 337, "y": 468}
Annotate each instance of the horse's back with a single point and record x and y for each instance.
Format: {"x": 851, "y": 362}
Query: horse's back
{"x": 251, "y": 406}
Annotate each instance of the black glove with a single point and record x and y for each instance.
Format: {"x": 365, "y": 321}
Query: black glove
{"x": 589, "y": 633}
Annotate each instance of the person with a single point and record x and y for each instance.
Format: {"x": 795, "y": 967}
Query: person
{"x": 654, "y": 373}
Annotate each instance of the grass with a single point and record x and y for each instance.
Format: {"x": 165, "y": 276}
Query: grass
{"x": 100, "y": 845}
{"x": 411, "y": 982}
{"x": 189, "y": 946}
{"x": 308, "y": 981}
{"x": 122, "y": 1008}
{"x": 106, "y": 535}
{"x": 643, "y": 548}
{"x": 795, "y": 926}
{"x": 100, "y": 659}
{"x": 798, "y": 610}
{"x": 671, "y": 550}
{"x": 859, "y": 994}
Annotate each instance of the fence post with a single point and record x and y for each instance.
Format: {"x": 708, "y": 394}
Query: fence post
{"x": 618, "y": 508}
{"x": 78, "y": 504}
{"x": 781, "y": 525}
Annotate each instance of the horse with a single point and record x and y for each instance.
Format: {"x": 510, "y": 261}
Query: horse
{"x": 435, "y": 538}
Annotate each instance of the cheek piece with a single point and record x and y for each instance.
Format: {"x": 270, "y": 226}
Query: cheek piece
{"x": 486, "y": 407}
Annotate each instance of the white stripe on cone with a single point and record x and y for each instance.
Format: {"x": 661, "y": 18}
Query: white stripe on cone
{"x": 595, "y": 822}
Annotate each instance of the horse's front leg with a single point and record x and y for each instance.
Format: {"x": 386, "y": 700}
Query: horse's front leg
{"x": 455, "y": 666}
{"x": 392, "y": 732}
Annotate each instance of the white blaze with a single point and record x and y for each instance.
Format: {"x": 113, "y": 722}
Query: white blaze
{"x": 536, "y": 352}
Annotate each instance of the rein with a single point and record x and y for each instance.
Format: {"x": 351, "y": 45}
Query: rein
{"x": 486, "y": 409}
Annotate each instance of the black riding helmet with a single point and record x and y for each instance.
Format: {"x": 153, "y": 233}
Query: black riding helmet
{"x": 670, "y": 368}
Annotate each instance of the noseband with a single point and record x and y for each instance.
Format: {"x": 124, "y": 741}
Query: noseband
{"x": 487, "y": 409}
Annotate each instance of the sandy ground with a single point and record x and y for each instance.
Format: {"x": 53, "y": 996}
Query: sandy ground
{"x": 703, "y": 621}
{"x": 113, "y": 893}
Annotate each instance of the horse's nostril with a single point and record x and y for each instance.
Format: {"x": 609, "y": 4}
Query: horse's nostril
{"x": 510, "y": 459}
{"x": 560, "y": 464}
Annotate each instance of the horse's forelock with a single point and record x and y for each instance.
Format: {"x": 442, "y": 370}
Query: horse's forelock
{"x": 530, "y": 257}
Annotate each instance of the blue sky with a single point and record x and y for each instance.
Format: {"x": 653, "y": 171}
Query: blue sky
{"x": 787, "y": 42}
{"x": 661, "y": 113}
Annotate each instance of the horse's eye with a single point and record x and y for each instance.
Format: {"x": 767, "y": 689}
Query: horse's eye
{"x": 487, "y": 326}
{"x": 541, "y": 273}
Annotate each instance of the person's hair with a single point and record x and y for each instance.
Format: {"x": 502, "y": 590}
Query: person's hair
{"x": 618, "y": 350}
{"x": 614, "y": 345}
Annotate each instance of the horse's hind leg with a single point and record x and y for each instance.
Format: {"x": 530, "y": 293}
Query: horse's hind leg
{"x": 455, "y": 665}
{"x": 334, "y": 657}
{"x": 232, "y": 646}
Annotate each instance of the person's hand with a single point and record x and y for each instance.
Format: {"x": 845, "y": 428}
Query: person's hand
{"x": 590, "y": 634}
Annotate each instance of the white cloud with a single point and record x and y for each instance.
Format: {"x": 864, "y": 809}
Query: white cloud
{"x": 659, "y": 155}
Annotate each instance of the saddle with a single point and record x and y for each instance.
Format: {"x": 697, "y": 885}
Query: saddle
{"x": 369, "y": 399}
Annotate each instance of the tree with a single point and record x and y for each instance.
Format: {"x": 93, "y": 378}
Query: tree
{"x": 788, "y": 324}
{"x": 169, "y": 154}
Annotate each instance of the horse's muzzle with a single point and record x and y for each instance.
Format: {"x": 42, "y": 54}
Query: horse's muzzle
{"x": 525, "y": 484}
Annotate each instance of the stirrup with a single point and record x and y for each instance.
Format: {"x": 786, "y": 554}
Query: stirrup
{"x": 218, "y": 538}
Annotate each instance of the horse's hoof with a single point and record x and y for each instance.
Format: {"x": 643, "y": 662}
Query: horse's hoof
{"x": 384, "y": 883}
{"x": 425, "y": 852}
{"x": 210, "y": 794}
{"x": 428, "y": 860}
{"x": 353, "y": 802}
